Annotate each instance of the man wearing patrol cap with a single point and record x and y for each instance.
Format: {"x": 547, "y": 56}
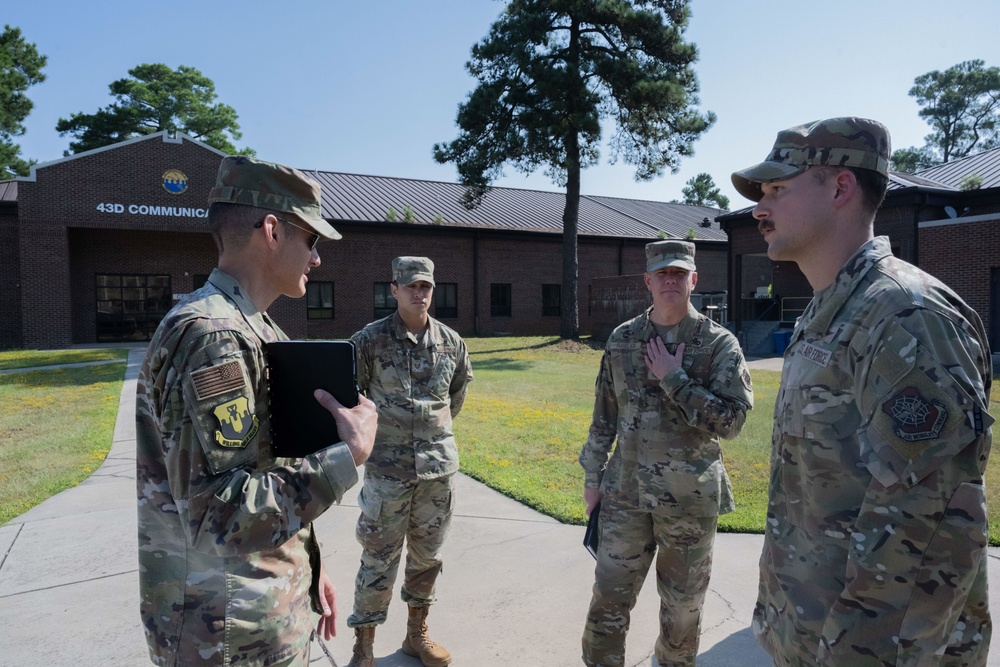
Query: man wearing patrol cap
{"x": 672, "y": 382}
{"x": 229, "y": 568}
{"x": 875, "y": 548}
{"x": 416, "y": 370}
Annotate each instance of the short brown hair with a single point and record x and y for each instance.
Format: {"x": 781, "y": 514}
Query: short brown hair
{"x": 872, "y": 184}
{"x": 232, "y": 224}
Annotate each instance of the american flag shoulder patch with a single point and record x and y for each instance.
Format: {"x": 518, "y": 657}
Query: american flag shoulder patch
{"x": 215, "y": 380}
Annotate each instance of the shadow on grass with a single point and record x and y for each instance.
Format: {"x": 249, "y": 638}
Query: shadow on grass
{"x": 502, "y": 364}
{"x": 66, "y": 377}
{"x": 536, "y": 346}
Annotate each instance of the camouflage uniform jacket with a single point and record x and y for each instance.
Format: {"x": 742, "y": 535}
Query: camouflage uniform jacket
{"x": 875, "y": 548}
{"x": 225, "y": 539}
{"x": 668, "y": 454}
{"x": 418, "y": 388}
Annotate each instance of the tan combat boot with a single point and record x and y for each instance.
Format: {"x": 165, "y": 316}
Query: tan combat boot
{"x": 417, "y": 642}
{"x": 364, "y": 647}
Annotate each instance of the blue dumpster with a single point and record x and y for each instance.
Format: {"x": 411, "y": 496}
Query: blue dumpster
{"x": 782, "y": 337}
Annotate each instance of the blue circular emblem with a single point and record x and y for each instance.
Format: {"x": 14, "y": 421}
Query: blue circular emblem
{"x": 174, "y": 181}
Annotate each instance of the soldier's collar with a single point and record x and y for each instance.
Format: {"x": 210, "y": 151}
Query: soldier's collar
{"x": 233, "y": 291}
{"x": 828, "y": 302}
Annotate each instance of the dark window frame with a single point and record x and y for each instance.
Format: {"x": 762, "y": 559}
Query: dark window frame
{"x": 501, "y": 300}
{"x": 320, "y": 311}
{"x": 442, "y": 309}
{"x": 129, "y": 306}
{"x": 382, "y": 291}
{"x": 551, "y": 300}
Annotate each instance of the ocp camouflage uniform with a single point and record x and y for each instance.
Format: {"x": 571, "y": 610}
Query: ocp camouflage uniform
{"x": 665, "y": 484}
{"x": 418, "y": 387}
{"x": 875, "y": 548}
{"x": 227, "y": 555}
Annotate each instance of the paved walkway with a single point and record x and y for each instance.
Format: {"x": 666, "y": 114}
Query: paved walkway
{"x": 514, "y": 592}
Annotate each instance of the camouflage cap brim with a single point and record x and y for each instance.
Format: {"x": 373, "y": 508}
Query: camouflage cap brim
{"x": 848, "y": 142}
{"x": 682, "y": 263}
{"x": 415, "y": 278}
{"x": 309, "y": 215}
{"x": 251, "y": 182}
{"x": 747, "y": 181}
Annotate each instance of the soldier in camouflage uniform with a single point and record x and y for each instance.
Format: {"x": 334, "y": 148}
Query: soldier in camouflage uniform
{"x": 875, "y": 544}
{"x": 672, "y": 382}
{"x": 229, "y": 567}
{"x": 416, "y": 370}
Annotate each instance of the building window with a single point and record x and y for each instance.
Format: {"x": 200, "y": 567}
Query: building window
{"x": 129, "y": 307}
{"x": 446, "y": 301}
{"x": 385, "y": 302}
{"x": 500, "y": 299}
{"x": 551, "y": 298}
{"x": 319, "y": 301}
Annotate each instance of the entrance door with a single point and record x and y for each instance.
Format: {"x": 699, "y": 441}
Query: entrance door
{"x": 129, "y": 307}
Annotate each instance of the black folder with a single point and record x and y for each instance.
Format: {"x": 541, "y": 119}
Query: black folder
{"x": 591, "y": 538}
{"x": 297, "y": 368}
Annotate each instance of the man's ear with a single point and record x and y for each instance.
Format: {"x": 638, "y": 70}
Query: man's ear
{"x": 269, "y": 229}
{"x": 847, "y": 190}
{"x": 694, "y": 279}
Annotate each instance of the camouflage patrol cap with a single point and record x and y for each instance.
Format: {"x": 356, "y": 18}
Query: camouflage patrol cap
{"x": 271, "y": 186}
{"x": 408, "y": 270}
{"x": 834, "y": 142}
{"x": 670, "y": 253}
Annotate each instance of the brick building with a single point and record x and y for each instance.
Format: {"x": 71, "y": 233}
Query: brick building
{"x": 934, "y": 219}
{"x": 98, "y": 246}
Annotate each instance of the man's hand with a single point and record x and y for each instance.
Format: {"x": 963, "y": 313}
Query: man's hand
{"x": 356, "y": 425}
{"x": 326, "y": 628}
{"x": 591, "y": 496}
{"x": 660, "y": 362}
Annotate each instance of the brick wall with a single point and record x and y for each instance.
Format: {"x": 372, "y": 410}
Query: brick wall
{"x": 10, "y": 282}
{"x": 963, "y": 256}
{"x": 103, "y": 191}
{"x": 617, "y": 299}
{"x": 84, "y": 216}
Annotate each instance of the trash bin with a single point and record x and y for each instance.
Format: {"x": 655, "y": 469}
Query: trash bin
{"x": 782, "y": 337}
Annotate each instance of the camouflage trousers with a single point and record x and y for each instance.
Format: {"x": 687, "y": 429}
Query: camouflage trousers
{"x": 629, "y": 538}
{"x": 417, "y": 511}
{"x": 300, "y": 659}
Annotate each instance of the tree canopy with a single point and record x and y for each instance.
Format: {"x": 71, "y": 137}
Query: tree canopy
{"x": 962, "y": 106}
{"x": 20, "y": 68}
{"x": 701, "y": 190}
{"x": 549, "y": 72}
{"x": 155, "y": 98}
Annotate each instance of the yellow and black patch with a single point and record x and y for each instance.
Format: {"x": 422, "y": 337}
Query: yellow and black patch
{"x": 215, "y": 380}
{"x": 237, "y": 423}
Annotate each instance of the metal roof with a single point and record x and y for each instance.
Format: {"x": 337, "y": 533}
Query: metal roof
{"x": 950, "y": 174}
{"x": 367, "y": 199}
{"x": 8, "y": 191}
{"x": 899, "y": 180}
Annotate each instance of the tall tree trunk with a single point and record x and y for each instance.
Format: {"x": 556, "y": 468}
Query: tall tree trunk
{"x": 570, "y": 324}
{"x": 570, "y": 320}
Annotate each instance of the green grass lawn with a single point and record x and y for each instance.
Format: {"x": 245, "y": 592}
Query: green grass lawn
{"x": 524, "y": 421}
{"x": 56, "y": 426}
{"x": 528, "y": 413}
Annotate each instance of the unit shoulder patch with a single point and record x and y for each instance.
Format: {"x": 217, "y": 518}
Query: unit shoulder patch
{"x": 237, "y": 424}
{"x": 914, "y": 417}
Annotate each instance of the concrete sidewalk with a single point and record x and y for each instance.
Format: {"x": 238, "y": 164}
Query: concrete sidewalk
{"x": 514, "y": 591}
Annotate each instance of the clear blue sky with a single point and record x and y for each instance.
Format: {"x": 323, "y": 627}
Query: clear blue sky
{"x": 369, "y": 87}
